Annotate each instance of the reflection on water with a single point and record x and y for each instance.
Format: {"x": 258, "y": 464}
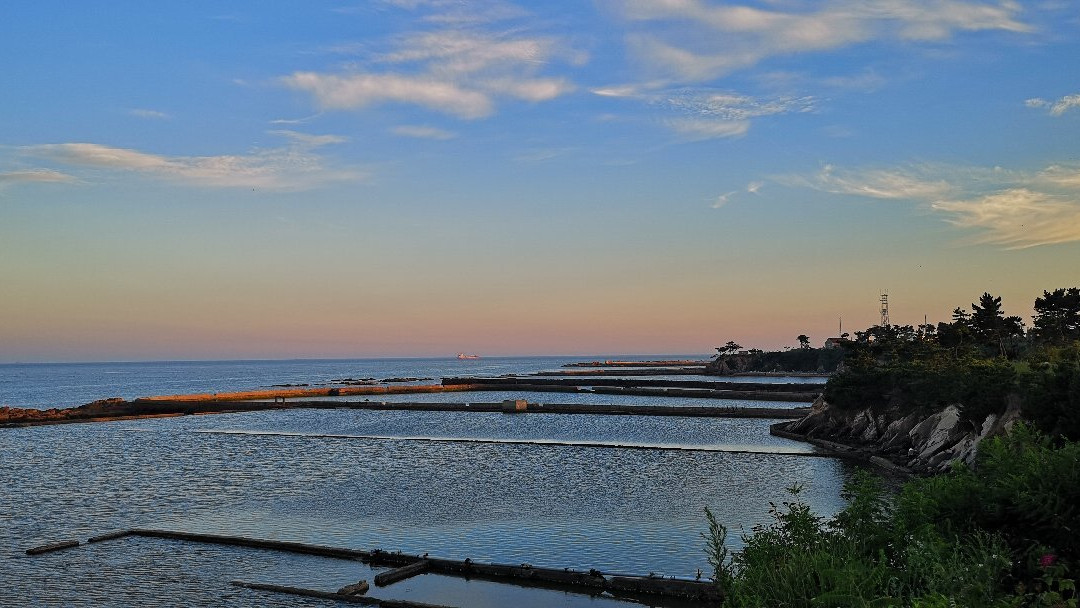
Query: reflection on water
{"x": 562, "y": 506}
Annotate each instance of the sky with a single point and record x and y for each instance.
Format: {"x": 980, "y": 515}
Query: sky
{"x": 219, "y": 180}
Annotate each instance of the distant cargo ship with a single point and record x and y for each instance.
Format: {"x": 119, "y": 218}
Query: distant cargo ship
{"x": 464, "y": 356}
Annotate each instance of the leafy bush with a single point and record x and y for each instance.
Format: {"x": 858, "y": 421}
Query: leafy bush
{"x": 1001, "y": 534}
{"x": 1052, "y": 398}
{"x": 1022, "y": 487}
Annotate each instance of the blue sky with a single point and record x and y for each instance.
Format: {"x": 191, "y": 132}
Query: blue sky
{"x": 420, "y": 177}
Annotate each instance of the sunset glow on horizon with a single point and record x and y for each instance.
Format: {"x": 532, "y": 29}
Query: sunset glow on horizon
{"x": 397, "y": 178}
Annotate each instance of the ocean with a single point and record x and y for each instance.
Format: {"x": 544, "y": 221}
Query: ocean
{"x": 560, "y": 491}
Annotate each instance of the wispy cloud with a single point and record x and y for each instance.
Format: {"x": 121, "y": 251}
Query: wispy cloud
{"x": 458, "y": 12}
{"x": 295, "y": 121}
{"x": 149, "y": 114}
{"x": 708, "y": 128}
{"x": 733, "y": 106}
{"x": 306, "y": 140}
{"x": 727, "y": 197}
{"x": 693, "y": 40}
{"x": 422, "y": 132}
{"x": 458, "y": 69}
{"x": 705, "y": 113}
{"x": 537, "y": 155}
{"x": 35, "y": 175}
{"x": 293, "y": 167}
{"x": 1055, "y": 108}
{"x": 1013, "y": 209}
{"x": 880, "y": 183}
{"x": 1017, "y": 218}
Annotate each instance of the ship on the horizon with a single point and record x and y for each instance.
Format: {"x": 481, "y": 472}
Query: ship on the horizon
{"x": 464, "y": 356}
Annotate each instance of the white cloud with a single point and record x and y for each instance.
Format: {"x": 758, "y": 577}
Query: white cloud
{"x": 356, "y": 91}
{"x": 541, "y": 89}
{"x": 694, "y": 40}
{"x": 455, "y": 70}
{"x": 293, "y": 167}
{"x": 616, "y": 91}
{"x": 1055, "y": 108}
{"x": 149, "y": 114}
{"x": 1017, "y": 218}
{"x": 422, "y": 132}
{"x": 35, "y": 175}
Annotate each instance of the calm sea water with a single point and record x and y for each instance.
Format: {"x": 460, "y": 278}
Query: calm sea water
{"x": 544, "y": 489}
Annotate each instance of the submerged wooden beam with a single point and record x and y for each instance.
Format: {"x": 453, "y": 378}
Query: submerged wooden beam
{"x": 524, "y": 574}
{"x": 399, "y": 574}
{"x": 110, "y": 536}
{"x": 256, "y": 543}
{"x": 40, "y": 549}
{"x": 340, "y": 597}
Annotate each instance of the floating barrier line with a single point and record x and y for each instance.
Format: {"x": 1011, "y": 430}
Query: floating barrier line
{"x": 539, "y": 442}
{"x": 683, "y": 411}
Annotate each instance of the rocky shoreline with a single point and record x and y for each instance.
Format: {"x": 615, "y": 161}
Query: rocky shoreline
{"x": 911, "y": 442}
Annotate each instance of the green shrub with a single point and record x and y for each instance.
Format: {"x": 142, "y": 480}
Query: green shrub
{"x": 1000, "y": 534}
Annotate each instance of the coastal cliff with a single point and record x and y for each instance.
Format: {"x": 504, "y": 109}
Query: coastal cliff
{"x": 914, "y": 441}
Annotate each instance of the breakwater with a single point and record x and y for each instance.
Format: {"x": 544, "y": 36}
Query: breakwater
{"x": 658, "y": 363}
{"x": 761, "y": 391}
{"x": 199, "y": 403}
{"x": 162, "y": 407}
{"x": 293, "y": 397}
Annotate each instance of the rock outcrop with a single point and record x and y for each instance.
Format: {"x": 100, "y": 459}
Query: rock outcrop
{"x": 923, "y": 443}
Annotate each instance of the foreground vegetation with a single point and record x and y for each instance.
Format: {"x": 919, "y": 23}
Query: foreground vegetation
{"x": 1004, "y": 532}
{"x": 1001, "y": 534}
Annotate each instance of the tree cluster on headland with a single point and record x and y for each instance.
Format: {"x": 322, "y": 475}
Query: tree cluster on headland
{"x": 1001, "y": 527}
{"x": 976, "y": 361}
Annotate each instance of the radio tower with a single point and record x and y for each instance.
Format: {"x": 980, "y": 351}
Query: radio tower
{"x": 885, "y": 309}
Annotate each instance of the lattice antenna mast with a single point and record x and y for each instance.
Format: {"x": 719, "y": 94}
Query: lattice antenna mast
{"x": 885, "y": 309}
